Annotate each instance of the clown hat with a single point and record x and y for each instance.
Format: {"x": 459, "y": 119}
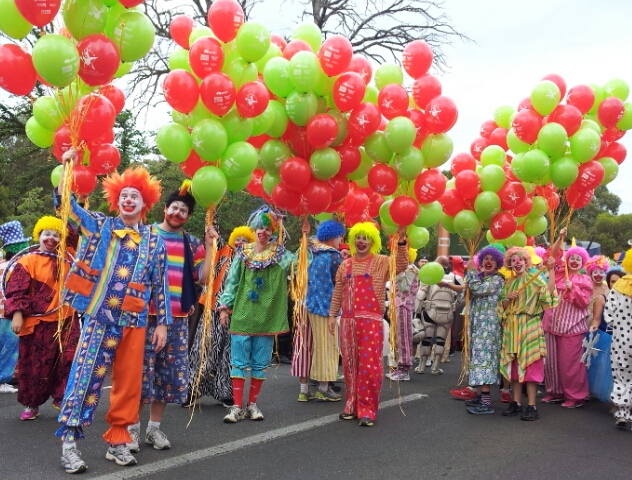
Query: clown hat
{"x": 11, "y": 232}
{"x": 535, "y": 259}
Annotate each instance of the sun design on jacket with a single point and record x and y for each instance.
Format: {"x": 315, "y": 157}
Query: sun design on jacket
{"x": 123, "y": 272}
{"x": 113, "y": 302}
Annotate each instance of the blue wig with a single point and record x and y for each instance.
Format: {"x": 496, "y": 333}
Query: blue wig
{"x": 329, "y": 229}
{"x": 495, "y": 254}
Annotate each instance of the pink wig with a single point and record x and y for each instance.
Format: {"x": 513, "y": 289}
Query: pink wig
{"x": 598, "y": 262}
{"x": 521, "y": 252}
{"x": 578, "y": 251}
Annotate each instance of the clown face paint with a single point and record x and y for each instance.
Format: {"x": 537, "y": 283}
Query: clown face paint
{"x": 239, "y": 241}
{"x": 362, "y": 244}
{"x": 345, "y": 253}
{"x": 518, "y": 264}
{"x": 130, "y": 204}
{"x": 575, "y": 262}
{"x": 48, "y": 240}
{"x": 489, "y": 265}
{"x": 597, "y": 276}
{"x": 263, "y": 235}
{"x": 176, "y": 214}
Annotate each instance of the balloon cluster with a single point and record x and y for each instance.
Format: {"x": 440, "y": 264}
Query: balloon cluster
{"x": 306, "y": 125}
{"x": 528, "y": 159}
{"x": 100, "y": 41}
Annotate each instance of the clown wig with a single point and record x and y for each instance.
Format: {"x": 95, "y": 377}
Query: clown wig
{"x": 368, "y": 230}
{"x": 242, "y": 231}
{"x": 521, "y": 252}
{"x": 138, "y": 178}
{"x": 46, "y": 223}
{"x": 412, "y": 255}
{"x": 626, "y": 264}
{"x": 578, "y": 251}
{"x": 329, "y": 229}
{"x": 264, "y": 217}
{"x": 598, "y": 262}
{"x": 495, "y": 254}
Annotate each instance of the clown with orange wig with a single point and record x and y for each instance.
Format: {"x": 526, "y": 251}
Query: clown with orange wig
{"x": 360, "y": 292}
{"x": 119, "y": 268}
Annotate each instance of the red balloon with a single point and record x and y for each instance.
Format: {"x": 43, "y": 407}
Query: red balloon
{"x": 106, "y": 138}
{"x": 348, "y": 91}
{"x": 40, "y": 12}
{"x": 467, "y": 184}
{"x": 526, "y": 125}
{"x": 18, "y": 73}
{"x": 252, "y": 99}
{"x": 417, "y": 58}
{"x": 612, "y": 134}
{"x": 316, "y": 197}
{"x": 524, "y": 208}
{"x": 610, "y": 111}
{"x": 590, "y": 175}
{"x": 478, "y": 145}
{"x": 375, "y": 202}
{"x": 217, "y": 92}
{"x": 339, "y": 188}
{"x": 425, "y": 89}
{"x": 503, "y": 225}
{"x": 557, "y": 80}
{"x": 499, "y": 137}
{"x": 255, "y": 187}
{"x": 279, "y": 41}
{"x": 552, "y": 201}
{"x": 393, "y": 101}
{"x": 382, "y": 179}
{"x": 62, "y": 142}
{"x": 350, "y": 159}
{"x": 296, "y": 137}
{"x": 403, "y": 210}
{"x": 114, "y": 95}
{"x": 181, "y": 90}
{"x": 461, "y": 162}
{"x": 192, "y": 164}
{"x": 617, "y": 151}
{"x": 225, "y": 17}
{"x": 451, "y": 202}
{"x": 83, "y": 180}
{"x": 429, "y": 186}
{"x": 295, "y": 173}
{"x": 322, "y": 130}
{"x": 104, "y": 159}
{"x": 294, "y": 47}
{"x": 581, "y": 97}
{"x": 130, "y": 3}
{"x": 419, "y": 119}
{"x": 577, "y": 197}
{"x": 361, "y": 66}
{"x": 284, "y": 197}
{"x": 206, "y": 56}
{"x": 568, "y": 116}
{"x": 512, "y": 194}
{"x": 95, "y": 115}
{"x": 258, "y": 140}
{"x": 487, "y": 127}
{"x": 180, "y": 29}
{"x": 441, "y": 114}
{"x": 99, "y": 59}
{"x": 335, "y": 55}
{"x": 364, "y": 120}
{"x": 525, "y": 104}
{"x": 359, "y": 204}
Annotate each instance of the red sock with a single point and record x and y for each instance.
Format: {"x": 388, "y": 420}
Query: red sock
{"x": 255, "y": 388}
{"x": 238, "y": 391}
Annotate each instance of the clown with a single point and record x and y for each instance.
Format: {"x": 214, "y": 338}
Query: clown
{"x": 360, "y": 291}
{"x": 120, "y": 267}
{"x": 565, "y": 327}
{"x": 596, "y": 269}
{"x": 32, "y": 301}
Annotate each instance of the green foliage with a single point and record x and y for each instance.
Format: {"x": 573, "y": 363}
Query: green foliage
{"x": 612, "y": 232}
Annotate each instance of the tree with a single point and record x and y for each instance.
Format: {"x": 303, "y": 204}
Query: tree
{"x": 612, "y": 232}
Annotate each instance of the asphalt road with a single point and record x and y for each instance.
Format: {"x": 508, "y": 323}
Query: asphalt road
{"x": 421, "y": 432}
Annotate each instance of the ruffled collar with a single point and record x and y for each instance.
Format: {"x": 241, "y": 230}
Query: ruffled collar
{"x": 258, "y": 260}
{"x": 624, "y": 285}
{"x": 316, "y": 246}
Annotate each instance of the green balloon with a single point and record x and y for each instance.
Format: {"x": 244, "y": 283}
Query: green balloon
{"x": 431, "y": 273}
{"x": 626, "y": 120}
{"x": 493, "y": 155}
{"x": 545, "y": 97}
{"x": 502, "y": 116}
{"x": 617, "y": 88}
{"x": 467, "y": 224}
{"x": 179, "y": 60}
{"x": 56, "y": 59}
{"x": 515, "y": 144}
{"x": 400, "y": 134}
{"x": 385, "y": 214}
{"x": 276, "y": 75}
{"x": 230, "y": 50}
{"x": 517, "y": 239}
{"x": 535, "y": 165}
{"x": 371, "y": 94}
{"x": 55, "y": 175}
{"x": 322, "y": 217}
{"x": 38, "y": 135}
{"x": 389, "y": 229}
{"x": 409, "y": 164}
{"x": 238, "y": 184}
{"x": 239, "y": 160}
{"x": 564, "y": 172}
{"x": 388, "y": 73}
{"x": 47, "y": 113}
{"x": 201, "y": 32}
{"x": 66, "y": 98}
{"x": 253, "y": 41}
{"x": 492, "y": 178}
{"x": 133, "y": 34}
{"x": 269, "y": 181}
{"x": 301, "y": 106}
{"x": 280, "y": 122}
{"x": 208, "y": 186}
{"x": 611, "y": 169}
{"x": 600, "y": 95}
{"x": 324, "y": 163}
{"x": 174, "y": 142}
{"x": 437, "y": 149}
{"x": 552, "y": 139}
{"x": 535, "y": 226}
{"x": 486, "y": 205}
{"x": 209, "y": 139}
{"x": 272, "y": 155}
{"x": 417, "y": 237}
{"x": 448, "y": 222}
{"x": 123, "y": 69}
{"x": 342, "y": 121}
{"x": 304, "y": 71}
{"x": 585, "y": 144}
{"x": 262, "y": 123}
{"x": 12, "y": 23}
{"x": 325, "y": 83}
{"x": 309, "y": 33}
{"x": 180, "y": 118}
{"x": 237, "y": 128}
{"x": 539, "y": 207}
{"x": 199, "y": 113}
{"x": 377, "y": 148}
{"x": 591, "y": 124}
{"x": 240, "y": 72}
{"x": 84, "y": 17}
{"x": 429, "y": 214}
{"x": 363, "y": 169}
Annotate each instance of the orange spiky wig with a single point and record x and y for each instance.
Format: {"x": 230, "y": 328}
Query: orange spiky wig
{"x": 138, "y": 178}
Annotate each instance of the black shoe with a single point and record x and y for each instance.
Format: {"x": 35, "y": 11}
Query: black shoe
{"x": 190, "y": 402}
{"x": 346, "y": 416}
{"x": 530, "y": 414}
{"x": 285, "y": 360}
{"x": 513, "y": 410}
{"x": 334, "y": 387}
{"x": 473, "y": 402}
{"x": 227, "y": 402}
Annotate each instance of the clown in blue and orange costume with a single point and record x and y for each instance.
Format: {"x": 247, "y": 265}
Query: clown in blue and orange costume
{"x": 119, "y": 268}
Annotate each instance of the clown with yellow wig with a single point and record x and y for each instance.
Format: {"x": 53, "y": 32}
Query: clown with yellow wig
{"x": 119, "y": 268}
{"x": 32, "y": 302}
{"x": 360, "y": 293}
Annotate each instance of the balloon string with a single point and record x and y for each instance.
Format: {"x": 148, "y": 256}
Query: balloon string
{"x": 392, "y": 313}
{"x": 298, "y": 292}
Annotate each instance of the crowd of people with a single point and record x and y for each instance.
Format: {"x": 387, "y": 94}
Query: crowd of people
{"x": 133, "y": 297}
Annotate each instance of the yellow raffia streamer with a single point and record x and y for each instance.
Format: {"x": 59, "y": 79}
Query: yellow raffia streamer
{"x": 392, "y": 311}
{"x": 298, "y": 292}
{"x": 207, "y": 315}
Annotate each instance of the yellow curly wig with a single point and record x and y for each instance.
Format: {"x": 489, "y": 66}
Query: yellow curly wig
{"x": 412, "y": 255}
{"x": 46, "y": 223}
{"x": 242, "y": 231}
{"x": 627, "y": 262}
{"x": 138, "y": 178}
{"x": 368, "y": 230}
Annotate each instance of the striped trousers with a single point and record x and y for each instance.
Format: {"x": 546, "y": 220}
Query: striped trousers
{"x": 315, "y": 352}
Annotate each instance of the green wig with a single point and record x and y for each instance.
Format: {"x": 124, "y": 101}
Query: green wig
{"x": 368, "y": 230}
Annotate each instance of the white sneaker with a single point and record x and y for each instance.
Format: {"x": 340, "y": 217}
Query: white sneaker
{"x": 134, "y": 445}
{"x": 71, "y": 461}
{"x": 158, "y": 439}
{"x": 121, "y": 455}
{"x": 428, "y": 362}
{"x": 253, "y": 412}
{"x": 234, "y": 415}
{"x": 6, "y": 388}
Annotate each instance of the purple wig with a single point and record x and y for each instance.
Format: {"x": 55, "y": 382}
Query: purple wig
{"x": 578, "y": 251}
{"x": 494, "y": 252}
